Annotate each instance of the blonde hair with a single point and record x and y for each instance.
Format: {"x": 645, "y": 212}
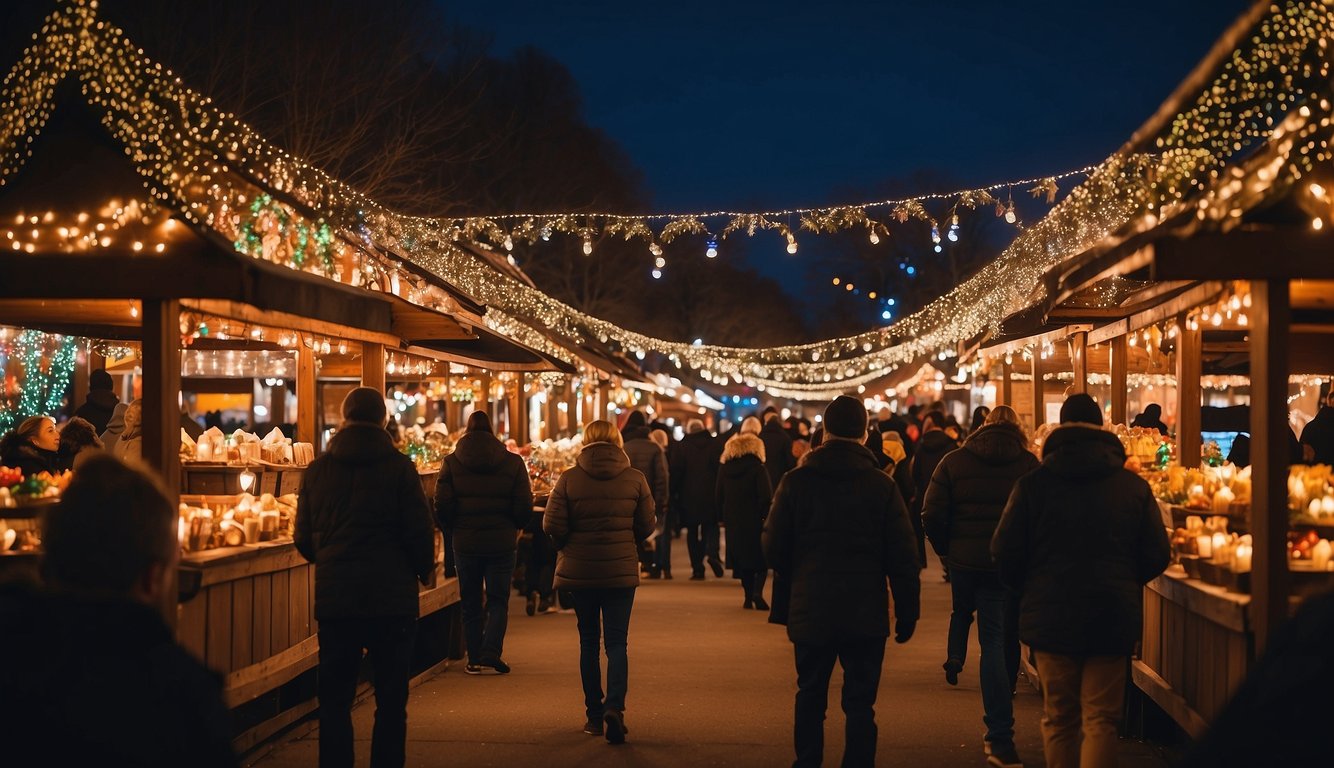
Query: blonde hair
{"x": 659, "y": 437}
{"x": 600, "y": 431}
{"x": 750, "y": 426}
{"x": 1003, "y": 413}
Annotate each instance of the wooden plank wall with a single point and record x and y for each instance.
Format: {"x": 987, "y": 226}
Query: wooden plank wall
{"x": 234, "y": 624}
{"x": 1201, "y": 661}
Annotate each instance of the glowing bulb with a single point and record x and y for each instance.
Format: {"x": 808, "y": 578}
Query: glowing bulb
{"x": 937, "y": 248}
{"x": 342, "y": 347}
{"x": 657, "y": 273}
{"x": 134, "y": 310}
{"x": 1234, "y": 303}
{"x": 870, "y": 295}
{"x": 660, "y": 262}
{"x": 655, "y": 249}
{"x": 1242, "y": 320}
{"x": 1317, "y": 224}
{"x": 875, "y": 237}
{"x": 711, "y": 247}
{"x": 1010, "y": 216}
{"x": 953, "y": 234}
{"x": 847, "y": 287}
{"x": 588, "y": 247}
{"x": 1317, "y": 190}
{"x": 837, "y": 281}
{"x": 1217, "y": 319}
{"x": 886, "y": 314}
{"x": 791, "y": 244}
{"x": 509, "y": 243}
{"x": 546, "y": 233}
{"x": 935, "y": 234}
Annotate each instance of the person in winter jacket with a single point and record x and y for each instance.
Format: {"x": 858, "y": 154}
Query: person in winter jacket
{"x": 130, "y": 445}
{"x": 132, "y": 695}
{"x": 1151, "y": 418}
{"x": 599, "y": 512}
{"x": 647, "y": 457}
{"x": 78, "y": 443}
{"x": 963, "y": 505}
{"x": 101, "y": 402}
{"x": 483, "y": 498}
{"x": 777, "y": 448}
{"x": 115, "y": 428}
{"x": 931, "y": 448}
{"x": 694, "y": 477}
{"x": 1079, "y": 538}
{"x": 363, "y": 520}
{"x": 837, "y": 530}
{"x": 743, "y": 495}
{"x": 1317, "y": 441}
{"x": 32, "y": 447}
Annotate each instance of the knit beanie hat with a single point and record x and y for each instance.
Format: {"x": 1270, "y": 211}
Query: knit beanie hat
{"x": 100, "y": 379}
{"x": 845, "y": 417}
{"x": 1081, "y": 408}
{"x": 365, "y": 405}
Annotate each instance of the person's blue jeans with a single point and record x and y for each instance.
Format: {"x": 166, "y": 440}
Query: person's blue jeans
{"x": 991, "y": 598}
{"x": 963, "y": 587}
{"x": 603, "y": 614}
{"x": 861, "y": 660}
{"x": 387, "y": 642}
{"x": 484, "y": 623}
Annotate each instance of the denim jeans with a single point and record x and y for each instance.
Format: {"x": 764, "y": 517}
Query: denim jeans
{"x": 603, "y": 614}
{"x": 861, "y": 660}
{"x": 1081, "y": 698}
{"x": 484, "y": 624}
{"x": 963, "y": 587}
{"x": 990, "y": 596}
{"x": 702, "y": 541}
{"x": 388, "y": 644}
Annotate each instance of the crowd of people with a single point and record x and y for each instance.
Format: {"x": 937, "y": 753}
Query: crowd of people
{"x": 841, "y": 514}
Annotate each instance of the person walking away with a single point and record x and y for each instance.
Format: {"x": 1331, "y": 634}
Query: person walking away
{"x": 32, "y": 447}
{"x": 1151, "y": 418}
{"x": 1318, "y": 435}
{"x": 363, "y": 520}
{"x": 931, "y": 448}
{"x": 101, "y": 401}
{"x": 1080, "y": 612}
{"x": 93, "y": 675}
{"x": 836, "y": 531}
{"x": 979, "y": 419}
{"x": 694, "y": 479}
{"x": 963, "y": 505}
{"x": 78, "y": 443}
{"x": 743, "y": 494}
{"x": 483, "y": 498}
{"x": 599, "y": 512}
{"x": 777, "y": 447}
{"x": 647, "y": 457}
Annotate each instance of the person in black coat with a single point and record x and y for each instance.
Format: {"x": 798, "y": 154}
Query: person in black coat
{"x": 1079, "y": 538}
{"x": 363, "y": 520}
{"x": 1151, "y": 418}
{"x": 650, "y": 459}
{"x": 777, "y": 448}
{"x": 1317, "y": 439}
{"x": 963, "y": 505}
{"x": 32, "y": 447}
{"x": 101, "y": 402}
{"x": 931, "y": 448}
{"x": 837, "y": 530}
{"x": 484, "y": 499}
{"x": 694, "y": 476}
{"x": 93, "y": 675}
{"x": 743, "y": 495}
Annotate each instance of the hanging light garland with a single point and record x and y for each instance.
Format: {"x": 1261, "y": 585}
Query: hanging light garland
{"x": 185, "y": 148}
{"x": 47, "y": 363}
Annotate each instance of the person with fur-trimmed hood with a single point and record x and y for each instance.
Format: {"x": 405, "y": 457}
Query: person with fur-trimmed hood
{"x": 743, "y": 494}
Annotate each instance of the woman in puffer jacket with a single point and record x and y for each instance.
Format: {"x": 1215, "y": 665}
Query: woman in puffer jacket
{"x": 598, "y": 513}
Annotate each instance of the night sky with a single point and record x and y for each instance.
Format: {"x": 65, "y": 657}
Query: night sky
{"x": 747, "y": 105}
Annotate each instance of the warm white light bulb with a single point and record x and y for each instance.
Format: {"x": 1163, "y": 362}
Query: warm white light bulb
{"x": 875, "y": 237}
{"x": 588, "y": 247}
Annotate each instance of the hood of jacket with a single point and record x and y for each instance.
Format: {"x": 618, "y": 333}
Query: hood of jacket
{"x": 603, "y": 460}
{"x": 999, "y": 443}
{"x": 840, "y": 458}
{"x": 894, "y": 450}
{"x": 634, "y": 433}
{"x": 1082, "y": 451}
{"x": 742, "y": 445}
{"x": 117, "y": 423}
{"x": 358, "y": 443}
{"x": 480, "y": 452}
{"x": 936, "y": 441}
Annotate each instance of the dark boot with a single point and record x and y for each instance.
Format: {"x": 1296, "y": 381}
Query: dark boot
{"x": 757, "y": 590}
{"x": 745, "y": 588}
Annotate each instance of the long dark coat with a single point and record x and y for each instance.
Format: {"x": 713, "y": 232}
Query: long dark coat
{"x": 694, "y": 475}
{"x": 743, "y": 494}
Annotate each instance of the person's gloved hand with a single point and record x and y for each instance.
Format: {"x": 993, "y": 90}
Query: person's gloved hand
{"x": 903, "y": 631}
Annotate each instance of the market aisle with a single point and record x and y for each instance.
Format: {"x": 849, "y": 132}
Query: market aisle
{"x": 710, "y": 685}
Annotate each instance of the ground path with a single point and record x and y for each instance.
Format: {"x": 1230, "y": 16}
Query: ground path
{"x": 710, "y": 685}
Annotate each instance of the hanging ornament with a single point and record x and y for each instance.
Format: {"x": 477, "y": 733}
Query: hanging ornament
{"x": 791, "y": 244}
{"x": 588, "y": 246}
{"x": 1010, "y": 216}
{"x": 509, "y": 243}
{"x": 953, "y": 233}
{"x": 546, "y": 232}
{"x": 874, "y": 237}
{"x": 711, "y": 247}
{"x": 655, "y": 249}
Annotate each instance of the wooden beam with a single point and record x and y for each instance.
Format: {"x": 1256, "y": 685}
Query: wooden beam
{"x": 1079, "y": 360}
{"x": 372, "y": 366}
{"x": 1006, "y": 390}
{"x": 1050, "y": 337}
{"x": 1120, "y": 366}
{"x": 1188, "y": 370}
{"x": 1289, "y": 253}
{"x": 235, "y": 310}
{"x": 1038, "y": 411}
{"x": 1269, "y": 457}
{"x": 161, "y": 447}
{"x": 306, "y": 411}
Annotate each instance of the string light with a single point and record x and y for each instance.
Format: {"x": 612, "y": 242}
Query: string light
{"x": 711, "y": 247}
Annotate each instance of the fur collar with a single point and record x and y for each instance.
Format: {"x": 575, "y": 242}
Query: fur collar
{"x": 742, "y": 445}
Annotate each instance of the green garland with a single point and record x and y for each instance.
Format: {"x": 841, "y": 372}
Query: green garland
{"x": 42, "y": 391}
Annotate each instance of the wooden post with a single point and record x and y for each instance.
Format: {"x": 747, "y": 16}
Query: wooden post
{"x": 1039, "y": 413}
{"x": 553, "y": 415}
{"x": 1006, "y": 385}
{"x": 604, "y": 399}
{"x": 1188, "y": 370}
{"x": 278, "y": 401}
{"x": 79, "y": 390}
{"x": 571, "y": 403}
{"x": 372, "y": 366}
{"x": 161, "y": 390}
{"x": 1120, "y": 367}
{"x": 1079, "y": 361}
{"x": 1272, "y": 319}
{"x": 306, "y": 411}
{"x": 482, "y": 399}
{"x": 518, "y": 395}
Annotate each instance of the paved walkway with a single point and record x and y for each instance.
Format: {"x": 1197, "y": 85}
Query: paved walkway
{"x": 710, "y": 685}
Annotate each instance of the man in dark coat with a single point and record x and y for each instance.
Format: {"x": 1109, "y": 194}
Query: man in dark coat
{"x": 1318, "y": 435}
{"x": 694, "y": 474}
{"x": 1079, "y": 539}
{"x": 963, "y": 505}
{"x": 483, "y": 498}
{"x": 651, "y": 461}
{"x": 931, "y": 448}
{"x": 836, "y": 531}
{"x": 778, "y": 457}
{"x": 101, "y": 400}
{"x": 92, "y": 675}
{"x": 1151, "y": 418}
{"x": 363, "y": 520}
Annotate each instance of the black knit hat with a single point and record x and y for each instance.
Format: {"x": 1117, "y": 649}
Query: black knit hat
{"x": 845, "y": 417}
{"x": 365, "y": 405}
{"x": 100, "y": 379}
{"x": 1082, "y": 409}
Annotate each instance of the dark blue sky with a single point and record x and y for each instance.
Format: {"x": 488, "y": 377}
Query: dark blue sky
{"x": 748, "y": 105}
